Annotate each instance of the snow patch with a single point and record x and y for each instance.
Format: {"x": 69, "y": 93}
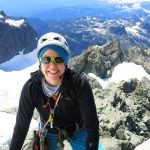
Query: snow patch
{"x": 124, "y": 71}
{"x": 1, "y": 16}
{"x": 6, "y": 129}
{"x": 20, "y": 61}
{"x": 15, "y": 23}
{"x": 144, "y": 146}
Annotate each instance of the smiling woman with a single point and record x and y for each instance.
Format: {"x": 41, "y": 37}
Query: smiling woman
{"x": 63, "y": 98}
{"x": 52, "y": 70}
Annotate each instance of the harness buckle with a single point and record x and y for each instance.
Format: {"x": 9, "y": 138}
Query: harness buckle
{"x": 43, "y": 132}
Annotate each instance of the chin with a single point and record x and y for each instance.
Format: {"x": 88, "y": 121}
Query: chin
{"x": 54, "y": 82}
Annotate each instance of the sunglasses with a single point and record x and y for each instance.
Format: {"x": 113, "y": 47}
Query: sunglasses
{"x": 47, "y": 60}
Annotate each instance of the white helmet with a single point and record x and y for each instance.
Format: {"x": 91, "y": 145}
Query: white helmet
{"x": 52, "y": 38}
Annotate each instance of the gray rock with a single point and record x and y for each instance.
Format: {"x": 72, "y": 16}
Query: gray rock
{"x": 123, "y": 112}
{"x": 99, "y": 60}
{"x": 139, "y": 56}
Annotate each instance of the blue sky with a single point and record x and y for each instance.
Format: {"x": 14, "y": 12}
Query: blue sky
{"x": 19, "y": 7}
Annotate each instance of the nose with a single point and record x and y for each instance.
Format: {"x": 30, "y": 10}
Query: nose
{"x": 52, "y": 65}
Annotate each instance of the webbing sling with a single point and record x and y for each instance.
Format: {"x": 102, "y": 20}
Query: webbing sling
{"x": 43, "y": 131}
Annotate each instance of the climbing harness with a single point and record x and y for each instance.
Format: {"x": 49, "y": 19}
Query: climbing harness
{"x": 48, "y": 127}
{"x": 44, "y": 130}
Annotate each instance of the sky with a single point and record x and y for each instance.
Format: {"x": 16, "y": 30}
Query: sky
{"x": 21, "y": 7}
{"x": 10, "y": 87}
{"x": 25, "y": 6}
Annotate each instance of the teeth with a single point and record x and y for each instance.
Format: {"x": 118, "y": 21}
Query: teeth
{"x": 53, "y": 72}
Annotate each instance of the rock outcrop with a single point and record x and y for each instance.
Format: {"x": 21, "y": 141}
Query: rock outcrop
{"x": 123, "y": 110}
{"x": 139, "y": 56}
{"x": 99, "y": 60}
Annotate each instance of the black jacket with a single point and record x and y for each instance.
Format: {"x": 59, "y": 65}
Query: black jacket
{"x": 75, "y": 105}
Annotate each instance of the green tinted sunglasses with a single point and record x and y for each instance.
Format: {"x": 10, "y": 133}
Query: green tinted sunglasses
{"x": 47, "y": 60}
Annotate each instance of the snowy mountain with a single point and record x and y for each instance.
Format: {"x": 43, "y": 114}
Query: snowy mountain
{"x": 16, "y": 36}
{"x": 101, "y": 9}
{"x": 103, "y": 23}
{"x": 128, "y": 23}
{"x": 88, "y": 31}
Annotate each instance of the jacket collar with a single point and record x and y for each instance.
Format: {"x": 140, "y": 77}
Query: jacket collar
{"x": 67, "y": 81}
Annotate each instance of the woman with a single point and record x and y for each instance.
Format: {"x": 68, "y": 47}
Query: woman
{"x": 62, "y": 97}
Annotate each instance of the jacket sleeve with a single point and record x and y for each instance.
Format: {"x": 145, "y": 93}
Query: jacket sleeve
{"x": 89, "y": 114}
{"x": 23, "y": 119}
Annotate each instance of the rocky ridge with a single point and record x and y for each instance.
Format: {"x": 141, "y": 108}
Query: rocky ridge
{"x": 101, "y": 60}
{"x": 123, "y": 108}
{"x": 123, "y": 111}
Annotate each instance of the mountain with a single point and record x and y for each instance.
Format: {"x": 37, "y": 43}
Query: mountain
{"x": 16, "y": 36}
{"x": 82, "y": 26}
{"x": 101, "y": 60}
{"x": 47, "y": 9}
{"x": 87, "y": 31}
{"x": 85, "y": 26}
{"x": 92, "y": 8}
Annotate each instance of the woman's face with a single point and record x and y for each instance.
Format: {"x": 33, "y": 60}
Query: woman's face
{"x": 52, "y": 71}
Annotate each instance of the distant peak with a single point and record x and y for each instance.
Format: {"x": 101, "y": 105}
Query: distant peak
{"x": 2, "y": 13}
{"x": 10, "y": 21}
{"x": 15, "y": 23}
